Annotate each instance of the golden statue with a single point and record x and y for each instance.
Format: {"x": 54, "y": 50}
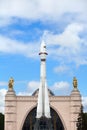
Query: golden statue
{"x": 11, "y": 83}
{"x": 75, "y": 82}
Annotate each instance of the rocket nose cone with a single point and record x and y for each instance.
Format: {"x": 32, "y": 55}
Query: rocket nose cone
{"x": 43, "y": 47}
{"x": 43, "y": 44}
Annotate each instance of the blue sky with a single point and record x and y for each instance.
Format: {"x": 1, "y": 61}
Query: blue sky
{"x": 63, "y": 27}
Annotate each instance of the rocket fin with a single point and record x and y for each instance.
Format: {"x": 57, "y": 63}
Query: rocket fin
{"x": 39, "y": 105}
{"x": 46, "y": 104}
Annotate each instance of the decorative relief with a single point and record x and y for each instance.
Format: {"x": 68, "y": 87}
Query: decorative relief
{"x": 26, "y": 98}
{"x": 61, "y": 98}
{"x": 10, "y": 103}
{"x": 10, "y": 109}
{"x": 10, "y": 117}
{"x": 10, "y": 126}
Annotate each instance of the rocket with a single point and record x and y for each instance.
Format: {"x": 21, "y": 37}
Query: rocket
{"x": 43, "y": 106}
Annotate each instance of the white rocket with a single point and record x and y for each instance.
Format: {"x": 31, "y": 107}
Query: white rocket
{"x": 43, "y": 107}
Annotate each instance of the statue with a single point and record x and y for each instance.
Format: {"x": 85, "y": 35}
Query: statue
{"x": 75, "y": 82}
{"x": 11, "y": 83}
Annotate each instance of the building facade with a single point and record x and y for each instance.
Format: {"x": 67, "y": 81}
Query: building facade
{"x": 17, "y": 109}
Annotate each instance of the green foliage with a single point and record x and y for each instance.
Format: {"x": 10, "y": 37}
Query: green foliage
{"x": 79, "y": 121}
{"x": 1, "y": 121}
{"x": 82, "y": 120}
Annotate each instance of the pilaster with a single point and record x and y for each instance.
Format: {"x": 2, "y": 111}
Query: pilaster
{"x": 75, "y": 106}
{"x": 10, "y": 110}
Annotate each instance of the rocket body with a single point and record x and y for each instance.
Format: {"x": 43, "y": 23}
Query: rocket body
{"x": 43, "y": 107}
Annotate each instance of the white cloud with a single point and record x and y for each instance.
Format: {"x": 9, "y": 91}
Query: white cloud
{"x": 61, "y": 85}
{"x": 2, "y": 99}
{"x": 84, "y": 102}
{"x": 42, "y": 10}
{"x": 68, "y": 46}
{"x": 61, "y": 88}
{"x": 14, "y": 47}
{"x": 68, "y": 38}
{"x": 61, "y": 68}
{"x": 31, "y": 87}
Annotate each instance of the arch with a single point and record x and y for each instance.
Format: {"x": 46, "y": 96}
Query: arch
{"x": 59, "y": 116}
{"x": 29, "y": 110}
{"x": 53, "y": 110}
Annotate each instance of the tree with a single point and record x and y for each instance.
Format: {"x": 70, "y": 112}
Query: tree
{"x": 82, "y": 120}
{"x": 1, "y": 121}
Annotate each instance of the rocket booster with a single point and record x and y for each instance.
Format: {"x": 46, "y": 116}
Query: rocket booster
{"x": 43, "y": 107}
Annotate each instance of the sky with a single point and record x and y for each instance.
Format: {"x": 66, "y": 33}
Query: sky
{"x": 24, "y": 24}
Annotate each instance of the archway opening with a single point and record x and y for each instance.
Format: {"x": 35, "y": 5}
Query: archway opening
{"x": 30, "y": 121}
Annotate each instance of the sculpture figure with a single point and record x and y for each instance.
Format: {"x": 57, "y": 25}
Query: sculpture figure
{"x": 11, "y": 83}
{"x": 75, "y": 82}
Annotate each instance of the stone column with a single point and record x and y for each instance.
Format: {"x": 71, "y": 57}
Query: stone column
{"x": 10, "y": 109}
{"x": 75, "y": 105}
